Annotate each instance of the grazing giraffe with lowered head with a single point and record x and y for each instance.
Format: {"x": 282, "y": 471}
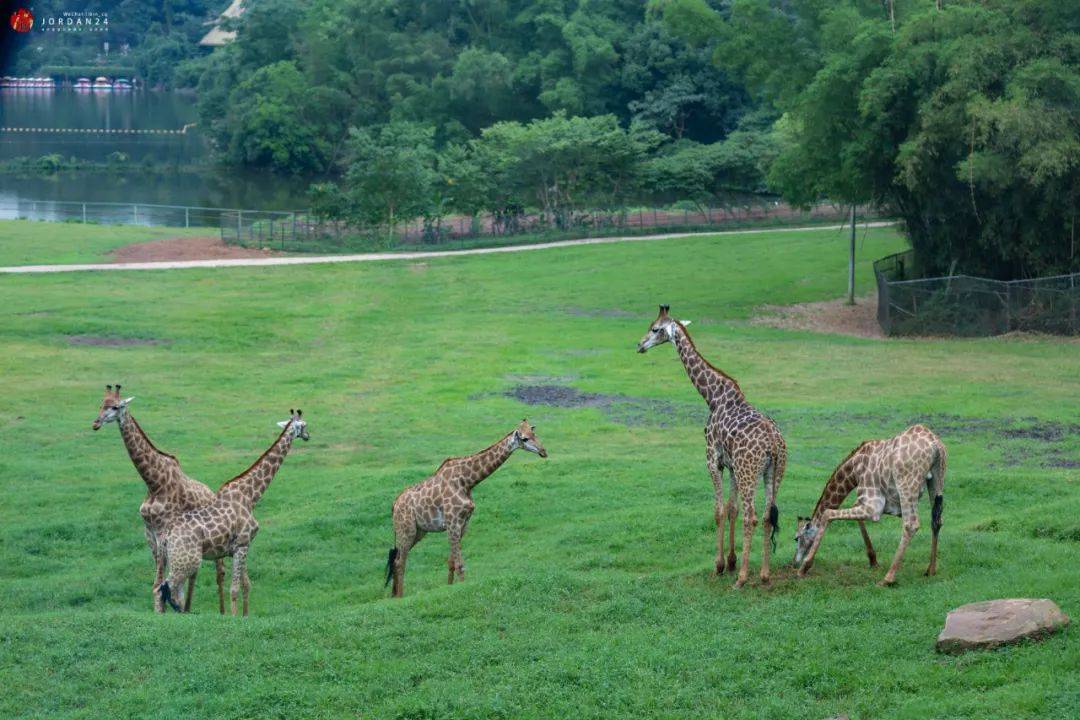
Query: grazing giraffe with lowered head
{"x": 170, "y": 493}
{"x": 737, "y": 437}
{"x": 444, "y": 502}
{"x": 226, "y": 526}
{"x": 889, "y": 477}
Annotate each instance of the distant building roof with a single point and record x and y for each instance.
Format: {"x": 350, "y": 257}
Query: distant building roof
{"x": 218, "y": 37}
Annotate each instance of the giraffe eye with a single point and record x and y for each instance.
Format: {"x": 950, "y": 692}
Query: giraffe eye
{"x": 656, "y": 330}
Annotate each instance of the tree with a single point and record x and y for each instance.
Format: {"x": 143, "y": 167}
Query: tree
{"x": 391, "y": 174}
{"x": 265, "y": 126}
{"x": 965, "y": 121}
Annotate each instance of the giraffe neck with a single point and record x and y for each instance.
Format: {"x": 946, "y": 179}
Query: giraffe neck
{"x": 840, "y": 484}
{"x": 487, "y": 461}
{"x": 250, "y": 485}
{"x": 716, "y": 387}
{"x": 148, "y": 460}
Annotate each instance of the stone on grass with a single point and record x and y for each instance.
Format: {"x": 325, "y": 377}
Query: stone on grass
{"x": 998, "y": 622}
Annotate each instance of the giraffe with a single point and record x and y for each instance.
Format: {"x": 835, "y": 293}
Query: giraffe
{"x": 226, "y": 526}
{"x": 737, "y": 437}
{"x": 444, "y": 502}
{"x": 888, "y": 477}
{"x": 170, "y": 492}
{"x": 839, "y": 486}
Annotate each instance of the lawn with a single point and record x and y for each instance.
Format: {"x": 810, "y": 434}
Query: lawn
{"x": 589, "y": 590}
{"x": 28, "y": 242}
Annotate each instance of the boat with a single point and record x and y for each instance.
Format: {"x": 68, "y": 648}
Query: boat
{"x": 102, "y": 83}
{"x": 83, "y": 84}
{"x": 122, "y": 84}
{"x": 7, "y": 81}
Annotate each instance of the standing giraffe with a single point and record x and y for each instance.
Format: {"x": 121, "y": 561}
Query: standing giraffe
{"x": 170, "y": 493}
{"x": 737, "y": 437}
{"x": 889, "y": 477}
{"x": 226, "y": 526}
{"x": 444, "y": 502}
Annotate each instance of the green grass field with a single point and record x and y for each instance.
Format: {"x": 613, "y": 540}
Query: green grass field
{"x": 589, "y": 591}
{"x": 28, "y": 242}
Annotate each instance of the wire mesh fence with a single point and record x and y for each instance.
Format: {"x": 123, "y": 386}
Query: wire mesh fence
{"x": 106, "y": 213}
{"x": 305, "y": 233}
{"x": 972, "y": 306}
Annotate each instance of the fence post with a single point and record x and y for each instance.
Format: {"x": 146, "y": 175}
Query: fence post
{"x": 135, "y": 214}
{"x": 84, "y": 213}
{"x": 851, "y": 261}
{"x": 239, "y": 224}
{"x": 187, "y": 217}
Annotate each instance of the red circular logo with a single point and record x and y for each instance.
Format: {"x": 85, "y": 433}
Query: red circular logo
{"x": 22, "y": 20}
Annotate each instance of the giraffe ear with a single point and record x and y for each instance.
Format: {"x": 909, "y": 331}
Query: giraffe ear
{"x": 684, "y": 323}
{"x": 284, "y": 423}
{"x": 127, "y": 400}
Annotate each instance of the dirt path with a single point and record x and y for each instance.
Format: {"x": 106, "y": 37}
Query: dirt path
{"x": 261, "y": 259}
{"x": 827, "y": 316}
{"x": 184, "y": 248}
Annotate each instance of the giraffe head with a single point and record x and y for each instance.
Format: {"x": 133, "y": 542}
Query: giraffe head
{"x": 113, "y": 407}
{"x": 296, "y": 425}
{"x": 661, "y": 330}
{"x": 805, "y": 535}
{"x": 525, "y": 437}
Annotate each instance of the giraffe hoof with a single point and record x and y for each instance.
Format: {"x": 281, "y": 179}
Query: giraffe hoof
{"x": 739, "y": 583}
{"x": 731, "y": 562}
{"x": 720, "y": 568}
{"x": 886, "y": 583}
{"x": 764, "y": 579}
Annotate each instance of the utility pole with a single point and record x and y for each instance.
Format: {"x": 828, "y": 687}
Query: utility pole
{"x": 851, "y": 261}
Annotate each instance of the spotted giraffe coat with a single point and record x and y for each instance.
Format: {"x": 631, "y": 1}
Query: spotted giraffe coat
{"x": 888, "y": 476}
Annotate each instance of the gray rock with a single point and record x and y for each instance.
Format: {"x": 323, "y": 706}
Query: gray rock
{"x": 998, "y": 622}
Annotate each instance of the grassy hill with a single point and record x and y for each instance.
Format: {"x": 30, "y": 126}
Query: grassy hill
{"x": 589, "y": 590}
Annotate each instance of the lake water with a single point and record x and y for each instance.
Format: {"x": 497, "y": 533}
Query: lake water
{"x": 71, "y": 123}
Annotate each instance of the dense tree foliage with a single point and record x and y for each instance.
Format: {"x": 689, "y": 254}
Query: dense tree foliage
{"x": 963, "y": 117}
{"x": 463, "y": 66}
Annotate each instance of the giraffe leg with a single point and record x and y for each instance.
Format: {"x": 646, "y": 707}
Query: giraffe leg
{"x": 454, "y": 530}
{"x": 911, "y": 526}
{"x": 219, "y": 569}
{"x": 770, "y": 521}
{"x": 720, "y": 512}
{"x": 190, "y": 591}
{"x": 159, "y": 577}
{"x": 732, "y": 515}
{"x": 870, "y": 554}
{"x": 399, "y": 572}
{"x": 239, "y": 558}
{"x": 245, "y": 587}
{"x": 749, "y": 522}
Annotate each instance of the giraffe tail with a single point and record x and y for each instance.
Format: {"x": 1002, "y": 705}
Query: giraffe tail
{"x": 166, "y": 596}
{"x": 390, "y": 565}
{"x": 774, "y": 519}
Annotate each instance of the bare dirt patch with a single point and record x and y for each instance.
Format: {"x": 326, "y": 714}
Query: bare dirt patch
{"x": 622, "y": 409}
{"x": 185, "y": 248}
{"x": 105, "y": 341}
{"x": 827, "y": 316}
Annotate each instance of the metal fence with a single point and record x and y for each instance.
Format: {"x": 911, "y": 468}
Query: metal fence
{"x": 229, "y": 221}
{"x": 299, "y": 232}
{"x": 972, "y": 306}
